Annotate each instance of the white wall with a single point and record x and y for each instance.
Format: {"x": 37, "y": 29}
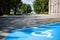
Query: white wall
{"x": 54, "y": 7}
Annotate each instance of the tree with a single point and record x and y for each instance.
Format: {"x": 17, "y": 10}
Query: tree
{"x": 15, "y": 5}
{"x": 25, "y": 9}
{"x": 40, "y": 6}
{"x": 46, "y": 5}
{"x": 6, "y": 5}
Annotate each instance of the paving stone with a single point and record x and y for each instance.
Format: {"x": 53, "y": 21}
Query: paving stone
{"x": 11, "y": 23}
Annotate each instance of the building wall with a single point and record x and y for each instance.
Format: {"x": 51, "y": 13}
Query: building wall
{"x": 54, "y": 7}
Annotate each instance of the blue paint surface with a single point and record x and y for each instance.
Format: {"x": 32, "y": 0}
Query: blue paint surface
{"x": 48, "y": 32}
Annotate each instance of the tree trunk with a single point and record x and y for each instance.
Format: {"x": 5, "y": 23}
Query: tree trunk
{"x": 1, "y": 14}
{"x": 8, "y": 10}
{"x": 15, "y": 10}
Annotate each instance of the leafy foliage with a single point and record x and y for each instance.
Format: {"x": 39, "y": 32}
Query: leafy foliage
{"x": 6, "y": 5}
{"x": 25, "y": 9}
{"x": 40, "y": 6}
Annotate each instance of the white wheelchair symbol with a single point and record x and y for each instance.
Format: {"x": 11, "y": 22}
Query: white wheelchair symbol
{"x": 47, "y": 33}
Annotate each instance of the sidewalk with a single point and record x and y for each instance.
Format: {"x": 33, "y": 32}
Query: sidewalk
{"x": 12, "y": 23}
